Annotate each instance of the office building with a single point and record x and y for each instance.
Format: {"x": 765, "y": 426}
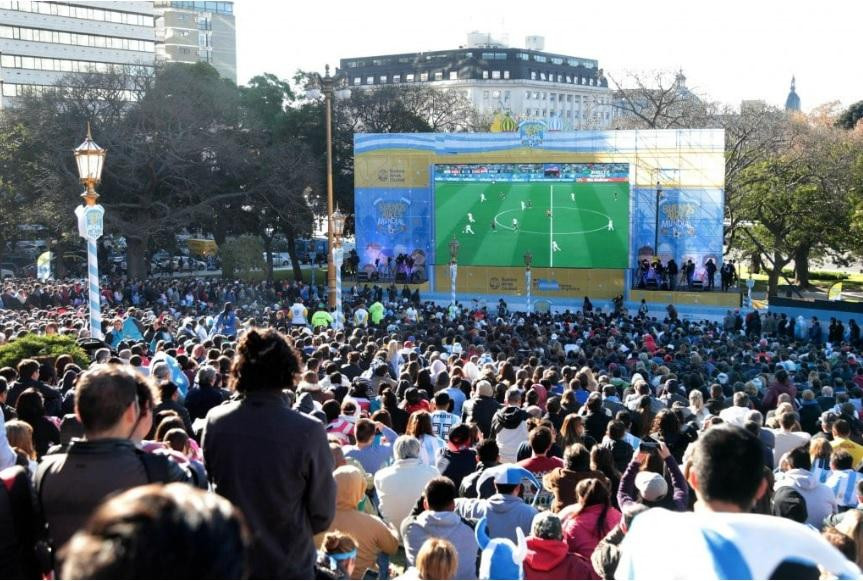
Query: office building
{"x": 189, "y": 32}
{"x": 40, "y": 42}
{"x": 528, "y": 83}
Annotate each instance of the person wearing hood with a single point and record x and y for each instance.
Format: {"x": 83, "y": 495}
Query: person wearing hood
{"x": 509, "y": 426}
{"x": 820, "y": 499}
{"x": 371, "y": 533}
{"x": 562, "y": 481}
{"x": 505, "y": 510}
{"x": 435, "y": 517}
{"x": 548, "y": 556}
{"x": 481, "y": 408}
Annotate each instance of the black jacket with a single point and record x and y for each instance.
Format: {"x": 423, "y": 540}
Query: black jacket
{"x": 456, "y": 465}
{"x": 201, "y": 400}
{"x": 480, "y": 411}
{"x": 53, "y": 400}
{"x": 507, "y": 418}
{"x": 275, "y": 465}
{"x": 71, "y": 485}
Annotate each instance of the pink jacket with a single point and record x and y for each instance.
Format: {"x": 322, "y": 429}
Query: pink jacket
{"x": 580, "y": 532}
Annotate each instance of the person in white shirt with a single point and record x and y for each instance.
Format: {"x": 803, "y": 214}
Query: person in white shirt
{"x": 786, "y": 438}
{"x": 820, "y": 499}
{"x": 299, "y": 313}
{"x": 843, "y": 479}
{"x": 401, "y": 484}
{"x": 411, "y": 314}
{"x": 721, "y": 539}
{"x": 201, "y": 331}
{"x": 361, "y": 316}
{"x": 442, "y": 420}
{"x": 738, "y": 413}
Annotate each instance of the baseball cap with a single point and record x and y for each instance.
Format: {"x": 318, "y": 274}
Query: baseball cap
{"x": 651, "y": 486}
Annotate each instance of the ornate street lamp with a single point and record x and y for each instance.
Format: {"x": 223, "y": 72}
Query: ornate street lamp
{"x": 528, "y": 260}
{"x": 337, "y": 227}
{"x": 329, "y": 88}
{"x": 453, "y": 266}
{"x": 90, "y": 159}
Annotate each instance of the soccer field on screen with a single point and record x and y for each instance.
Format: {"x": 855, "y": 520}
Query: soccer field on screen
{"x": 563, "y": 224}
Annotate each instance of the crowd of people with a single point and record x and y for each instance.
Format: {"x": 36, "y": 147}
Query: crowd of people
{"x": 687, "y": 276}
{"x": 267, "y": 437}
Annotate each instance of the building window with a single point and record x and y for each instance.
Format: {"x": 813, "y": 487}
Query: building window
{"x": 552, "y": 96}
{"x": 569, "y": 98}
{"x": 438, "y": 76}
{"x": 522, "y": 56}
{"x": 557, "y": 60}
{"x": 506, "y": 95}
{"x": 532, "y": 75}
{"x": 424, "y": 77}
{"x": 495, "y": 94}
{"x": 453, "y": 75}
{"x": 540, "y": 58}
{"x": 485, "y": 95}
{"x": 383, "y": 79}
{"x": 485, "y": 74}
{"x": 409, "y": 77}
{"x": 591, "y": 82}
{"x": 487, "y": 56}
{"x": 506, "y": 74}
{"x": 358, "y": 80}
{"x": 583, "y": 81}
{"x": 370, "y": 80}
{"x": 559, "y": 78}
{"x": 542, "y": 76}
{"x": 397, "y": 78}
{"x": 495, "y": 74}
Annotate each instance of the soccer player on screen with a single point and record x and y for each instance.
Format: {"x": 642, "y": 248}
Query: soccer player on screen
{"x": 572, "y": 196}
{"x": 548, "y": 213}
{"x": 523, "y": 206}
{"x": 467, "y": 229}
{"x": 493, "y": 226}
{"x": 515, "y": 223}
{"x": 610, "y": 225}
{"x": 470, "y": 218}
{"x": 554, "y": 246}
{"x": 481, "y": 197}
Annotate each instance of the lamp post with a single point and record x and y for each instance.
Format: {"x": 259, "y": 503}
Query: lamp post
{"x": 453, "y": 266}
{"x": 330, "y": 88}
{"x": 528, "y": 276}
{"x": 338, "y": 227}
{"x": 656, "y": 231}
{"x": 90, "y": 158}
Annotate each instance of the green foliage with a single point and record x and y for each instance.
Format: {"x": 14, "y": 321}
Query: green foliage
{"x": 241, "y": 256}
{"x": 820, "y": 275}
{"x": 32, "y": 346}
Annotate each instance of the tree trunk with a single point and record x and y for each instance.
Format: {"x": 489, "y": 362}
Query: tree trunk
{"x": 801, "y": 265}
{"x": 136, "y": 257}
{"x": 773, "y": 281}
{"x": 268, "y": 247}
{"x": 756, "y": 263}
{"x": 292, "y": 252}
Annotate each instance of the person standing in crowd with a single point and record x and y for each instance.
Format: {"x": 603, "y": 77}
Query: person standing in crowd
{"x": 115, "y": 408}
{"x": 285, "y": 489}
{"x": 721, "y": 540}
{"x": 509, "y": 426}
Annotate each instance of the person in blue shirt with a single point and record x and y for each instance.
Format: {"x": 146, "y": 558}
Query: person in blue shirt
{"x": 226, "y": 322}
{"x": 370, "y": 450}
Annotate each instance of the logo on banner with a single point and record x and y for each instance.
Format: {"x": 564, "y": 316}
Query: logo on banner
{"x": 677, "y": 220}
{"x": 392, "y": 216}
{"x": 532, "y": 133}
{"x": 90, "y": 220}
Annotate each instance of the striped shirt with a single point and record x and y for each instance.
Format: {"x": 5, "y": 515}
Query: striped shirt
{"x": 843, "y": 483}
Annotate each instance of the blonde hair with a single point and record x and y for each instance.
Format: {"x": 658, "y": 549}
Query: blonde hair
{"x": 437, "y": 559}
{"x": 696, "y": 399}
{"x": 852, "y": 526}
{"x": 20, "y": 436}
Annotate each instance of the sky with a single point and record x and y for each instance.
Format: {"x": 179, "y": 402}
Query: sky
{"x": 729, "y": 50}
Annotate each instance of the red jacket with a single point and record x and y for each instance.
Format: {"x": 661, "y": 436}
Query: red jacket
{"x": 549, "y": 559}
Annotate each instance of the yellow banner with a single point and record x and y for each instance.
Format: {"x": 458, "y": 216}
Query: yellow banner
{"x": 202, "y": 247}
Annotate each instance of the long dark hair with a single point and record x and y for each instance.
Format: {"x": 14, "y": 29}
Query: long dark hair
{"x": 589, "y": 492}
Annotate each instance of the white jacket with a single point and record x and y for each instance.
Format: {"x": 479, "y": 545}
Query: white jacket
{"x": 820, "y": 500}
{"x": 399, "y": 486}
